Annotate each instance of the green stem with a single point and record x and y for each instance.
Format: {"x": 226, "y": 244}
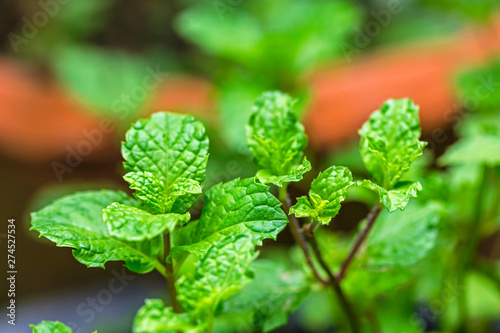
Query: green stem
{"x": 372, "y": 217}
{"x": 170, "y": 277}
{"x": 160, "y": 269}
{"x": 283, "y": 194}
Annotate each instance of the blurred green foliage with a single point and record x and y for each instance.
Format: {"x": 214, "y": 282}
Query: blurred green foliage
{"x": 255, "y": 47}
{"x": 109, "y": 82}
{"x": 479, "y": 88}
{"x": 480, "y": 10}
{"x": 252, "y": 46}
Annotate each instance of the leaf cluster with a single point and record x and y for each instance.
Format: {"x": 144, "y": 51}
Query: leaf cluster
{"x": 165, "y": 162}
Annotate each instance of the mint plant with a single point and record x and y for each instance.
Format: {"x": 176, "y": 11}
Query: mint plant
{"x": 228, "y": 288}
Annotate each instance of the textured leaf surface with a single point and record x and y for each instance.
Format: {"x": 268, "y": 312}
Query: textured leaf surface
{"x": 304, "y": 208}
{"x": 328, "y": 190}
{"x": 76, "y": 221}
{"x": 166, "y": 157}
{"x": 240, "y": 206}
{"x": 134, "y": 224}
{"x": 398, "y": 197}
{"x": 390, "y": 141}
{"x": 51, "y": 327}
{"x": 154, "y": 317}
{"x": 148, "y": 190}
{"x": 402, "y": 239}
{"x": 484, "y": 150}
{"x": 277, "y": 139}
{"x": 222, "y": 272}
{"x": 265, "y": 176}
{"x": 274, "y": 293}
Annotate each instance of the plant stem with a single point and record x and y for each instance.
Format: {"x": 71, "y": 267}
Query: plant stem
{"x": 297, "y": 234}
{"x": 310, "y": 228}
{"x": 314, "y": 245}
{"x": 469, "y": 251}
{"x": 372, "y": 217}
{"x": 344, "y": 302}
{"x": 170, "y": 277}
{"x": 160, "y": 269}
{"x": 332, "y": 281}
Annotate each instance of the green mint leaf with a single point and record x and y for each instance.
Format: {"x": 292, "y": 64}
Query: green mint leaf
{"x": 51, "y": 327}
{"x": 235, "y": 106}
{"x": 247, "y": 36}
{"x": 154, "y": 317}
{"x": 304, "y": 208}
{"x": 398, "y": 197}
{"x": 390, "y": 141}
{"x": 222, "y": 272}
{"x": 402, "y": 239}
{"x": 265, "y": 176}
{"x": 277, "y": 139}
{"x": 101, "y": 78}
{"x": 479, "y": 125}
{"x": 369, "y": 284}
{"x": 240, "y": 206}
{"x": 134, "y": 224}
{"x": 328, "y": 190}
{"x": 480, "y": 84}
{"x": 76, "y": 221}
{"x": 483, "y": 150}
{"x": 235, "y": 36}
{"x": 151, "y": 190}
{"x": 274, "y": 293}
{"x": 483, "y": 293}
{"x": 166, "y": 157}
